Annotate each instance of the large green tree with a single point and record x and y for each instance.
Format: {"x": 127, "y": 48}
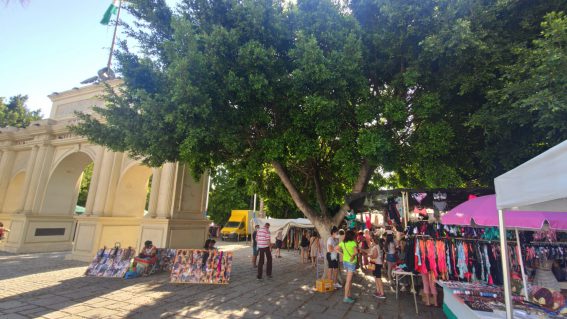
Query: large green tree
{"x": 319, "y": 96}
{"x": 14, "y": 112}
{"x": 254, "y": 85}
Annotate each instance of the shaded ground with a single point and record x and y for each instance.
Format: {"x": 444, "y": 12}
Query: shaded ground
{"x": 47, "y": 286}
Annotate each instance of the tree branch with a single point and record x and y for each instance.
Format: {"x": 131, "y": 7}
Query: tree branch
{"x": 364, "y": 175}
{"x": 319, "y": 191}
{"x": 295, "y": 195}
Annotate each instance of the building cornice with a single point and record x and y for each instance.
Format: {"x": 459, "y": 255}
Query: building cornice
{"x": 85, "y": 90}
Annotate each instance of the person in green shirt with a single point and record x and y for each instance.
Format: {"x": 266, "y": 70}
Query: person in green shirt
{"x": 348, "y": 250}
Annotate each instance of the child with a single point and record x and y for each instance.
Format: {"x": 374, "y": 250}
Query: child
{"x": 376, "y": 254}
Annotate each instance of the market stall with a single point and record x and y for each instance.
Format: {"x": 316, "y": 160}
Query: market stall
{"x": 400, "y": 206}
{"x": 481, "y": 212}
{"x": 289, "y": 228}
{"x": 538, "y": 184}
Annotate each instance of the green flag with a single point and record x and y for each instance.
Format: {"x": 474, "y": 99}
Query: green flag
{"x": 112, "y": 9}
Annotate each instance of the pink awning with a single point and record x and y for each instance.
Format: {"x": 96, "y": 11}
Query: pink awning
{"x": 482, "y": 211}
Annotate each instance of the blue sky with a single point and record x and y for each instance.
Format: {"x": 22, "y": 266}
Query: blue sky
{"x": 51, "y": 46}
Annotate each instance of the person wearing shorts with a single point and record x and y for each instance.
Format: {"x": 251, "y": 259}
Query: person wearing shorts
{"x": 391, "y": 257}
{"x": 348, "y": 249}
{"x": 375, "y": 257}
{"x": 333, "y": 257}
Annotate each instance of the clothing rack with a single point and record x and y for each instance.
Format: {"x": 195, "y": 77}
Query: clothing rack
{"x": 497, "y": 241}
{"x": 468, "y": 239}
{"x": 543, "y": 243}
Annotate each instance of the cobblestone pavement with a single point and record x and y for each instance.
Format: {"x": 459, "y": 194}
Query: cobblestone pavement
{"x": 47, "y": 286}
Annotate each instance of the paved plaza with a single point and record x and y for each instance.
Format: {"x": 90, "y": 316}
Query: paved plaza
{"x": 48, "y": 286}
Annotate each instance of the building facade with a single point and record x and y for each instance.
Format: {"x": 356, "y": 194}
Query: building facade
{"x": 41, "y": 168}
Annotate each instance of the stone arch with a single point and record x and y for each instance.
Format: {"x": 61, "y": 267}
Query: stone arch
{"x": 60, "y": 158}
{"x": 63, "y": 186}
{"x": 130, "y": 196}
{"x": 15, "y": 193}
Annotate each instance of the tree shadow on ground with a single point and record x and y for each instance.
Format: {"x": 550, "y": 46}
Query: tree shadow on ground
{"x": 288, "y": 295}
{"x": 18, "y": 265}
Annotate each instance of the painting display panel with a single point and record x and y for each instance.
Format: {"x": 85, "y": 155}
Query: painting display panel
{"x": 199, "y": 266}
{"x": 111, "y": 262}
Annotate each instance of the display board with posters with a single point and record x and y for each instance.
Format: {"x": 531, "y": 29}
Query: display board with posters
{"x": 201, "y": 266}
{"x": 111, "y": 262}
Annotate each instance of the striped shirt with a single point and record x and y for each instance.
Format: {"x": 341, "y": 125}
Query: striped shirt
{"x": 263, "y": 237}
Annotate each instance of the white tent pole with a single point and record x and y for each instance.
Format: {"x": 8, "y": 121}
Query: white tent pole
{"x": 405, "y": 207}
{"x": 522, "y": 265}
{"x": 505, "y": 268}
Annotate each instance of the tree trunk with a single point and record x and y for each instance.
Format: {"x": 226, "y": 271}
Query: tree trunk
{"x": 323, "y": 223}
{"x": 364, "y": 175}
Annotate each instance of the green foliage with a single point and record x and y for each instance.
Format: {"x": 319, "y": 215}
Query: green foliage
{"x": 527, "y": 114}
{"x": 85, "y": 183}
{"x": 442, "y": 93}
{"x": 246, "y": 83}
{"x": 15, "y": 112}
{"x": 448, "y": 66}
{"x": 228, "y": 192}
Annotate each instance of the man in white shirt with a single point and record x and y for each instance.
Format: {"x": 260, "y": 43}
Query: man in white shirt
{"x": 263, "y": 239}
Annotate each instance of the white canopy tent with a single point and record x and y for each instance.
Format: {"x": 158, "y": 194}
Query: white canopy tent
{"x": 283, "y": 224}
{"x": 538, "y": 184}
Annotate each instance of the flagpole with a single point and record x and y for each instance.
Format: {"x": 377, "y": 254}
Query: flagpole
{"x": 114, "y": 36}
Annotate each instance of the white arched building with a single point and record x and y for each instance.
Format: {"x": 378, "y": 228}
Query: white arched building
{"x": 41, "y": 168}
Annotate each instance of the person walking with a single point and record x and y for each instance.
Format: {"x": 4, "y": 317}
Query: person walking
{"x": 264, "y": 250}
{"x": 254, "y": 246}
{"x": 314, "y": 247}
{"x": 349, "y": 251}
{"x": 279, "y": 243}
{"x": 304, "y": 244}
{"x": 333, "y": 257}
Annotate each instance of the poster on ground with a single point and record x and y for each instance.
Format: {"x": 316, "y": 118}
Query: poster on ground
{"x": 197, "y": 266}
{"x": 111, "y": 262}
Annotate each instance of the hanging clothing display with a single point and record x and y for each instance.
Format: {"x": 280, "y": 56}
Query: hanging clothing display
{"x": 455, "y": 259}
{"x": 440, "y": 201}
{"x": 393, "y": 212}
